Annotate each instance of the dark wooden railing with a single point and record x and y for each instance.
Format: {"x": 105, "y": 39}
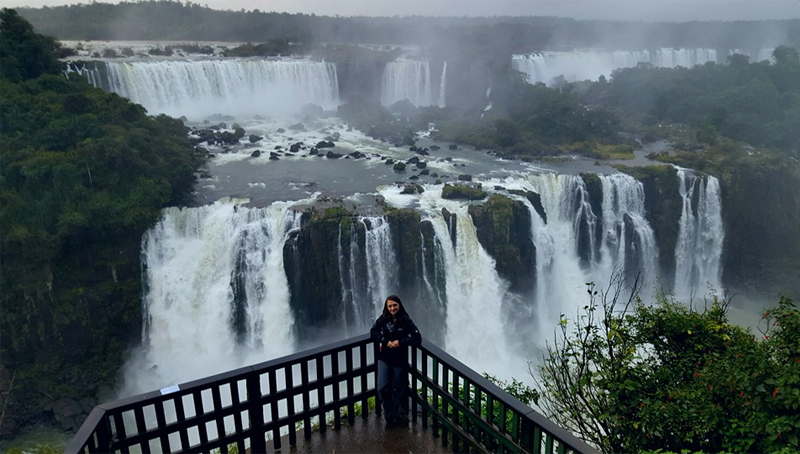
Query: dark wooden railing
{"x": 249, "y": 409}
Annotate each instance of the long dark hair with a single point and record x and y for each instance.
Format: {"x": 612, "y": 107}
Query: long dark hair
{"x": 401, "y": 313}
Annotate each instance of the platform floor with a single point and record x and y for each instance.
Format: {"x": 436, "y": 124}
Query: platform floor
{"x": 369, "y": 436}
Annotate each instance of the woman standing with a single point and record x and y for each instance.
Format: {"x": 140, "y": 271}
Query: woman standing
{"x": 394, "y": 331}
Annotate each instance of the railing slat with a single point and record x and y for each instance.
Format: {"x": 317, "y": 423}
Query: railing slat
{"x": 470, "y": 413}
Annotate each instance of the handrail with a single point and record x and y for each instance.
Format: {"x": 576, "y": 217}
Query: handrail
{"x": 474, "y": 414}
{"x": 247, "y": 408}
{"x": 239, "y": 408}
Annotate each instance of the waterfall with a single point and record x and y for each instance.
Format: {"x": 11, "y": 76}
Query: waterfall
{"x": 202, "y": 267}
{"x": 627, "y": 238}
{"x": 231, "y": 86}
{"x": 700, "y": 236}
{"x": 407, "y": 79}
{"x": 591, "y": 64}
{"x": 443, "y": 86}
{"x": 217, "y": 294}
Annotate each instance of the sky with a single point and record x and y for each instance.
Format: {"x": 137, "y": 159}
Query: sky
{"x": 637, "y": 10}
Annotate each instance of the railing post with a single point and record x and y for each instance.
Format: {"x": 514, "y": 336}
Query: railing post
{"x": 258, "y": 440}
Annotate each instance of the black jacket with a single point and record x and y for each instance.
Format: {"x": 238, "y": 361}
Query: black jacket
{"x": 404, "y": 330}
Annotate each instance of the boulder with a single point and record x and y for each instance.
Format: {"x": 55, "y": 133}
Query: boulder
{"x": 254, "y": 138}
{"x": 311, "y": 111}
{"x": 255, "y": 154}
{"x": 67, "y": 413}
{"x": 465, "y": 177}
{"x": 332, "y": 155}
{"x": 325, "y": 144}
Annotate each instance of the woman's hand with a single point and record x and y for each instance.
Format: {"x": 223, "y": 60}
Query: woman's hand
{"x": 393, "y": 344}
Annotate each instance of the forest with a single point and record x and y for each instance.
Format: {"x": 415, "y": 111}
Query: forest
{"x": 85, "y": 173}
{"x": 176, "y": 20}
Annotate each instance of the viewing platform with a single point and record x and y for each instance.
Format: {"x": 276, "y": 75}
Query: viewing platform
{"x": 327, "y": 395}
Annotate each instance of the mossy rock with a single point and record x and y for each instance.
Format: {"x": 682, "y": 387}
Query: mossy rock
{"x": 503, "y": 227}
{"x": 413, "y": 189}
{"x": 463, "y": 192}
{"x": 399, "y": 166}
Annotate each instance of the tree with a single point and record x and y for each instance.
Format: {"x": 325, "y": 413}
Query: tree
{"x": 24, "y": 54}
{"x": 785, "y": 55}
{"x": 629, "y": 377}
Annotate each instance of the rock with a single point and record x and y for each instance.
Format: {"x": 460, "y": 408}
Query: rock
{"x": 313, "y": 151}
{"x": 425, "y": 172}
{"x": 357, "y": 155}
{"x": 435, "y": 147}
{"x": 281, "y": 130}
{"x": 254, "y": 138}
{"x": 399, "y": 166}
{"x": 325, "y": 144}
{"x": 255, "y": 154}
{"x": 278, "y": 147}
{"x": 413, "y": 160}
{"x": 422, "y": 152}
{"x": 66, "y": 413}
{"x": 414, "y": 177}
{"x": 332, "y": 155}
{"x": 389, "y": 161}
{"x": 453, "y": 147}
{"x": 273, "y": 158}
{"x": 465, "y": 177}
{"x": 296, "y": 147}
{"x": 312, "y": 111}
{"x": 422, "y": 164}
{"x": 413, "y": 189}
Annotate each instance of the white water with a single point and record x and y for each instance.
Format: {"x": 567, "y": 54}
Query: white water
{"x": 700, "y": 236}
{"x": 443, "y": 86}
{"x": 581, "y": 65}
{"x": 407, "y": 79}
{"x": 190, "y": 258}
{"x": 199, "y": 88}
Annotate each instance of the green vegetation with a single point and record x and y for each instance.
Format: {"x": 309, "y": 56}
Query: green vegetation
{"x": 463, "y": 192}
{"x": 756, "y": 103}
{"x": 634, "y": 378}
{"x": 84, "y": 173}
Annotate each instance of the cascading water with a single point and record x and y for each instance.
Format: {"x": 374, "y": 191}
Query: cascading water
{"x": 216, "y": 294}
{"x": 591, "y": 64}
{"x": 200, "y": 88}
{"x": 218, "y": 289}
{"x": 443, "y": 86}
{"x": 407, "y": 79}
{"x": 700, "y": 236}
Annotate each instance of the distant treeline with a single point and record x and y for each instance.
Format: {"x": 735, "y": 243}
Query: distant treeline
{"x": 174, "y": 20}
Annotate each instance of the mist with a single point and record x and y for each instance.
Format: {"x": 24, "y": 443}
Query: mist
{"x": 627, "y": 10}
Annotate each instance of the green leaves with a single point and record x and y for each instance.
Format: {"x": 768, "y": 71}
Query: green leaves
{"x": 668, "y": 377}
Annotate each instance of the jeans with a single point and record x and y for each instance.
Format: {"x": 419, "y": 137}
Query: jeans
{"x": 392, "y": 388}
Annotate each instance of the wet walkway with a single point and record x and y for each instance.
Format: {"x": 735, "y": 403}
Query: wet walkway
{"x": 369, "y": 436}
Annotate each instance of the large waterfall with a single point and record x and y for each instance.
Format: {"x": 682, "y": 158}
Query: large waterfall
{"x": 412, "y": 80}
{"x": 218, "y": 293}
{"x": 199, "y": 88}
{"x": 591, "y": 64}
{"x": 699, "y": 247}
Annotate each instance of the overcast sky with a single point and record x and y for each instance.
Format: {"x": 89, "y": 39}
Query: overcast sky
{"x": 646, "y": 10}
